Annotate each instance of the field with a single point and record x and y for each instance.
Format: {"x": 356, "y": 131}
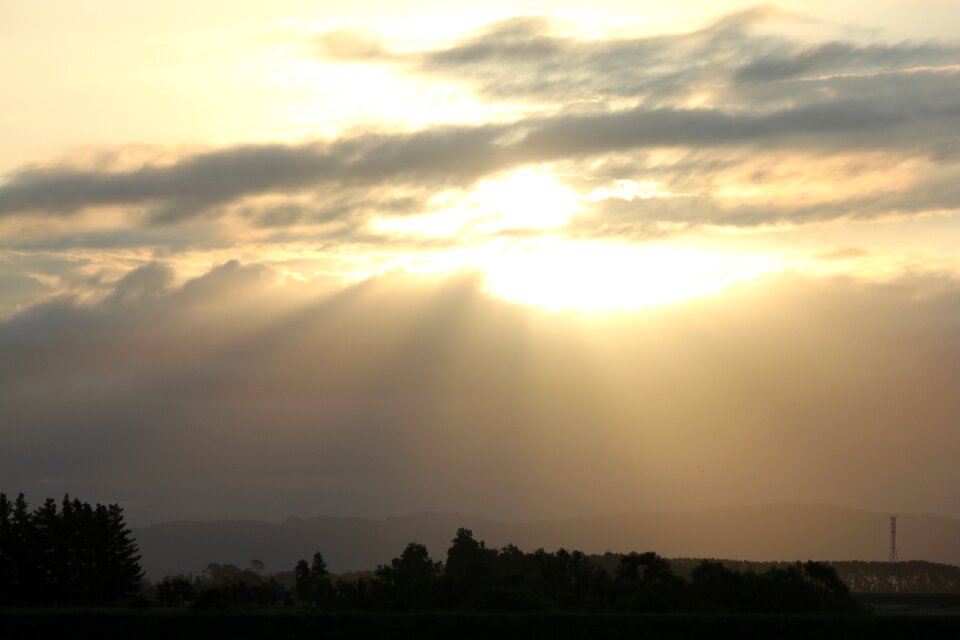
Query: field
{"x": 184, "y": 625}
{"x": 891, "y": 616}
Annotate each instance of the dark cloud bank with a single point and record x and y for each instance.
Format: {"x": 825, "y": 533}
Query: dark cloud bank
{"x": 232, "y": 396}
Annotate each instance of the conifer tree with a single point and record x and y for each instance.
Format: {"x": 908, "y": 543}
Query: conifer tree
{"x": 120, "y": 571}
{"x": 304, "y": 584}
{"x": 75, "y": 555}
{"x": 6, "y": 549}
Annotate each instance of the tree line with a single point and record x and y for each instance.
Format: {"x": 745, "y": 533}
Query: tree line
{"x": 82, "y": 554}
{"x": 477, "y": 578}
{"x": 224, "y": 586}
{"x": 860, "y": 576}
{"x": 77, "y": 554}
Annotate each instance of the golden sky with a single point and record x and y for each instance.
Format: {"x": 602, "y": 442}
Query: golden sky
{"x": 722, "y": 234}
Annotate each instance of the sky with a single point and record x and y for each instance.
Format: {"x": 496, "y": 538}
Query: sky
{"x": 565, "y": 259}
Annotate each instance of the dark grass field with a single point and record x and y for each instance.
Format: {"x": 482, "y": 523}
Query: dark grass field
{"x": 184, "y": 625}
{"x": 926, "y": 603}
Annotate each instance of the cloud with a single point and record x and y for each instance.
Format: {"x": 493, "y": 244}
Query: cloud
{"x": 144, "y": 282}
{"x": 239, "y": 395}
{"x": 645, "y": 218}
{"x": 524, "y": 38}
{"x": 528, "y": 57}
{"x": 15, "y": 287}
{"x": 844, "y": 57}
{"x": 30, "y": 277}
{"x": 531, "y": 58}
{"x": 640, "y": 128}
{"x": 451, "y": 155}
{"x": 186, "y": 188}
{"x": 846, "y": 253}
{"x": 725, "y": 94}
{"x": 200, "y": 183}
{"x": 352, "y": 44}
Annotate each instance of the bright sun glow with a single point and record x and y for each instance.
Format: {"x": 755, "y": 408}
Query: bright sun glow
{"x": 526, "y": 199}
{"x": 555, "y": 273}
{"x": 562, "y": 274}
{"x": 594, "y": 276}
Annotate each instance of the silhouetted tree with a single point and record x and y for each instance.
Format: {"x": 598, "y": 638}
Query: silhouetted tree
{"x": 25, "y": 549}
{"x": 832, "y": 593}
{"x": 468, "y": 568}
{"x": 512, "y": 580}
{"x": 313, "y": 585}
{"x": 797, "y": 588}
{"x": 409, "y": 583}
{"x": 644, "y": 582}
{"x": 357, "y": 594}
{"x": 517, "y": 584}
{"x": 224, "y": 586}
{"x": 119, "y": 560}
{"x": 74, "y": 555}
{"x": 175, "y": 591}
{"x": 304, "y": 584}
{"x": 7, "y": 546}
{"x": 718, "y": 588}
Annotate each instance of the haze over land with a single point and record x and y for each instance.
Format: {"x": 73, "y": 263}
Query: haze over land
{"x": 280, "y": 260}
{"x": 781, "y": 532}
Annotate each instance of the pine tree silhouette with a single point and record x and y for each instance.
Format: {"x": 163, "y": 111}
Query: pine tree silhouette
{"x": 75, "y": 555}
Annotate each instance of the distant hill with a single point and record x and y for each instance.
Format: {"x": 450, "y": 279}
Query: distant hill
{"x": 777, "y": 532}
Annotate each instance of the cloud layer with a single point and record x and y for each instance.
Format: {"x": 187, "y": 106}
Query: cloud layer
{"x": 237, "y": 395}
{"x": 718, "y": 100}
{"x": 308, "y": 371}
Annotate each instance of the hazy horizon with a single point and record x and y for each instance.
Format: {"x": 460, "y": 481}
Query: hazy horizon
{"x": 531, "y": 519}
{"x": 783, "y": 532}
{"x": 576, "y": 260}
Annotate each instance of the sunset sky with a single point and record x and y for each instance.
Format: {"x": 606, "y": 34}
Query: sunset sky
{"x": 261, "y": 259}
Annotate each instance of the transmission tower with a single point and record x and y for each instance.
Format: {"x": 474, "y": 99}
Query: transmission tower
{"x": 893, "y": 538}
